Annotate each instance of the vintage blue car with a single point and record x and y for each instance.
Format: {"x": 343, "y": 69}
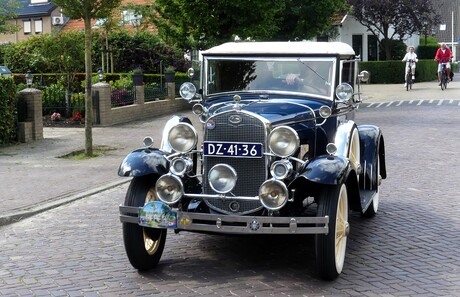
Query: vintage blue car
{"x": 280, "y": 153}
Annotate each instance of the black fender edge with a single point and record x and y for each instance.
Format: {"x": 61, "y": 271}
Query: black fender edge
{"x": 143, "y": 162}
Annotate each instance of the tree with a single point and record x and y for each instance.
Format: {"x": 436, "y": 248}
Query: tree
{"x": 8, "y": 12}
{"x": 203, "y": 23}
{"x": 405, "y": 17}
{"x": 87, "y": 10}
{"x": 306, "y": 19}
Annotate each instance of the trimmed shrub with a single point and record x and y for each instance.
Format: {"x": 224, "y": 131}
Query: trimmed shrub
{"x": 427, "y": 51}
{"x": 8, "y": 112}
{"x": 392, "y": 72}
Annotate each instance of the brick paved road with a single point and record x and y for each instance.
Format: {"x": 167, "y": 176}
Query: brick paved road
{"x": 411, "y": 248}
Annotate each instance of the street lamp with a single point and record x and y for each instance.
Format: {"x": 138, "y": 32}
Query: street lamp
{"x": 100, "y": 74}
{"x": 29, "y": 79}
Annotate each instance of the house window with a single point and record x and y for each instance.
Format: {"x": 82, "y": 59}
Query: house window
{"x": 357, "y": 45}
{"x": 27, "y": 27}
{"x": 38, "y": 26}
{"x": 131, "y": 17}
{"x": 372, "y": 48}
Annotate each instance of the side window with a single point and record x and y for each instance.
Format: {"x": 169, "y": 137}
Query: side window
{"x": 348, "y": 72}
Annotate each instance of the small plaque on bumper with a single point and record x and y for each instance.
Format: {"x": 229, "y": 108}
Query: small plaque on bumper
{"x": 157, "y": 214}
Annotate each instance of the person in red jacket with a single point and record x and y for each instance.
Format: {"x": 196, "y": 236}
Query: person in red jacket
{"x": 443, "y": 56}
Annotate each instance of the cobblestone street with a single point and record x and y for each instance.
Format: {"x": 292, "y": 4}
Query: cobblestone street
{"x": 409, "y": 249}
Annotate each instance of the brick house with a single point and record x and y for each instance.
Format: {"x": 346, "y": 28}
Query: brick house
{"x": 34, "y": 17}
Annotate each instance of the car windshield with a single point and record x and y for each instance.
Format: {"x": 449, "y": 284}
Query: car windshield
{"x": 312, "y": 76}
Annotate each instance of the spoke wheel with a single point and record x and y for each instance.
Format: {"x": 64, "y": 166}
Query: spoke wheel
{"x": 408, "y": 81}
{"x": 144, "y": 246}
{"x": 331, "y": 248}
{"x": 354, "y": 154}
{"x": 443, "y": 81}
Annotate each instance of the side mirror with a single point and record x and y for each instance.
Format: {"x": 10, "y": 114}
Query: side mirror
{"x": 364, "y": 76}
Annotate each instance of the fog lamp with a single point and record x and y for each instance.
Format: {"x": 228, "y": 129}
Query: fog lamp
{"x": 181, "y": 166}
{"x": 273, "y": 194}
{"x": 169, "y": 188}
{"x": 222, "y": 178}
{"x": 281, "y": 169}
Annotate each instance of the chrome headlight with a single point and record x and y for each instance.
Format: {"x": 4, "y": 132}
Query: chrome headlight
{"x": 169, "y": 188}
{"x": 181, "y": 166}
{"x": 273, "y": 194}
{"x": 344, "y": 92}
{"x": 283, "y": 141}
{"x": 182, "y": 137}
{"x": 222, "y": 178}
{"x": 187, "y": 91}
{"x": 281, "y": 169}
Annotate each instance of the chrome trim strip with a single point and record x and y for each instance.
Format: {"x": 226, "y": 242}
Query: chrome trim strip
{"x": 232, "y": 224}
{"x": 220, "y": 196}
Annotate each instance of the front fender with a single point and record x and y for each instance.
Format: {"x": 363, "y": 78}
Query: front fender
{"x": 144, "y": 161}
{"x": 328, "y": 170}
{"x": 373, "y": 147}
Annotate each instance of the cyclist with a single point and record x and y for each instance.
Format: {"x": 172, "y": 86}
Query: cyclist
{"x": 443, "y": 56}
{"x": 410, "y": 59}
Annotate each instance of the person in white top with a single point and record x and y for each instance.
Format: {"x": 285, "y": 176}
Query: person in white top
{"x": 410, "y": 59}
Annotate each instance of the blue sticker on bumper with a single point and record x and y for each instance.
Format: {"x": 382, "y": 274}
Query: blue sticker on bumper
{"x": 157, "y": 214}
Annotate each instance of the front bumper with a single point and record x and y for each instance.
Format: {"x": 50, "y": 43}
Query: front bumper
{"x": 231, "y": 224}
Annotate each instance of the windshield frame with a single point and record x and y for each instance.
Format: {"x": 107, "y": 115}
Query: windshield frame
{"x": 305, "y": 60}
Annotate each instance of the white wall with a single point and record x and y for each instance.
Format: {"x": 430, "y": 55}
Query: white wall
{"x": 352, "y": 27}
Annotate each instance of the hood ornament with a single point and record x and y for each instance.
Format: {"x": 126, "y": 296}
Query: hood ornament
{"x": 237, "y": 100}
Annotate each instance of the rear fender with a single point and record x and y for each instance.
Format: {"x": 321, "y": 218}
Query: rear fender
{"x": 143, "y": 162}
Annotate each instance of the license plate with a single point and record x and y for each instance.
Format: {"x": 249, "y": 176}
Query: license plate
{"x": 232, "y": 149}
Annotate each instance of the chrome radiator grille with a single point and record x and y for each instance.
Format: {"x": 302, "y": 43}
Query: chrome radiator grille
{"x": 251, "y": 172}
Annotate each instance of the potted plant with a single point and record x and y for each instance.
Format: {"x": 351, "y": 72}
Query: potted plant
{"x": 138, "y": 77}
{"x": 170, "y": 74}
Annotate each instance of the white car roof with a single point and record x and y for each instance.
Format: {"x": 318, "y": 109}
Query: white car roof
{"x": 282, "y": 48}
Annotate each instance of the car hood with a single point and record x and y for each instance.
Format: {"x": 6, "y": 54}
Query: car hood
{"x": 277, "y": 112}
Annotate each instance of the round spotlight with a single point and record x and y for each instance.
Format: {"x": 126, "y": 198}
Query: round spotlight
{"x": 183, "y": 137}
{"x": 187, "y": 91}
{"x": 344, "y": 92}
{"x": 169, "y": 189}
{"x": 222, "y": 178}
{"x": 273, "y": 194}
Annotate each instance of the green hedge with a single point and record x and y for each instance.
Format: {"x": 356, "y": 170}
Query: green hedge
{"x": 392, "y": 72}
{"x": 8, "y": 114}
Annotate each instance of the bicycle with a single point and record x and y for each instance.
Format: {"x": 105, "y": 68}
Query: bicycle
{"x": 444, "y": 78}
{"x": 409, "y": 80}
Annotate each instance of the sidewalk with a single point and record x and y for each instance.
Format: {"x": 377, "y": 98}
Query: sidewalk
{"x": 33, "y": 178}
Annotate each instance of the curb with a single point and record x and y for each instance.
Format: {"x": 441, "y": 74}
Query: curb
{"x": 18, "y": 216}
